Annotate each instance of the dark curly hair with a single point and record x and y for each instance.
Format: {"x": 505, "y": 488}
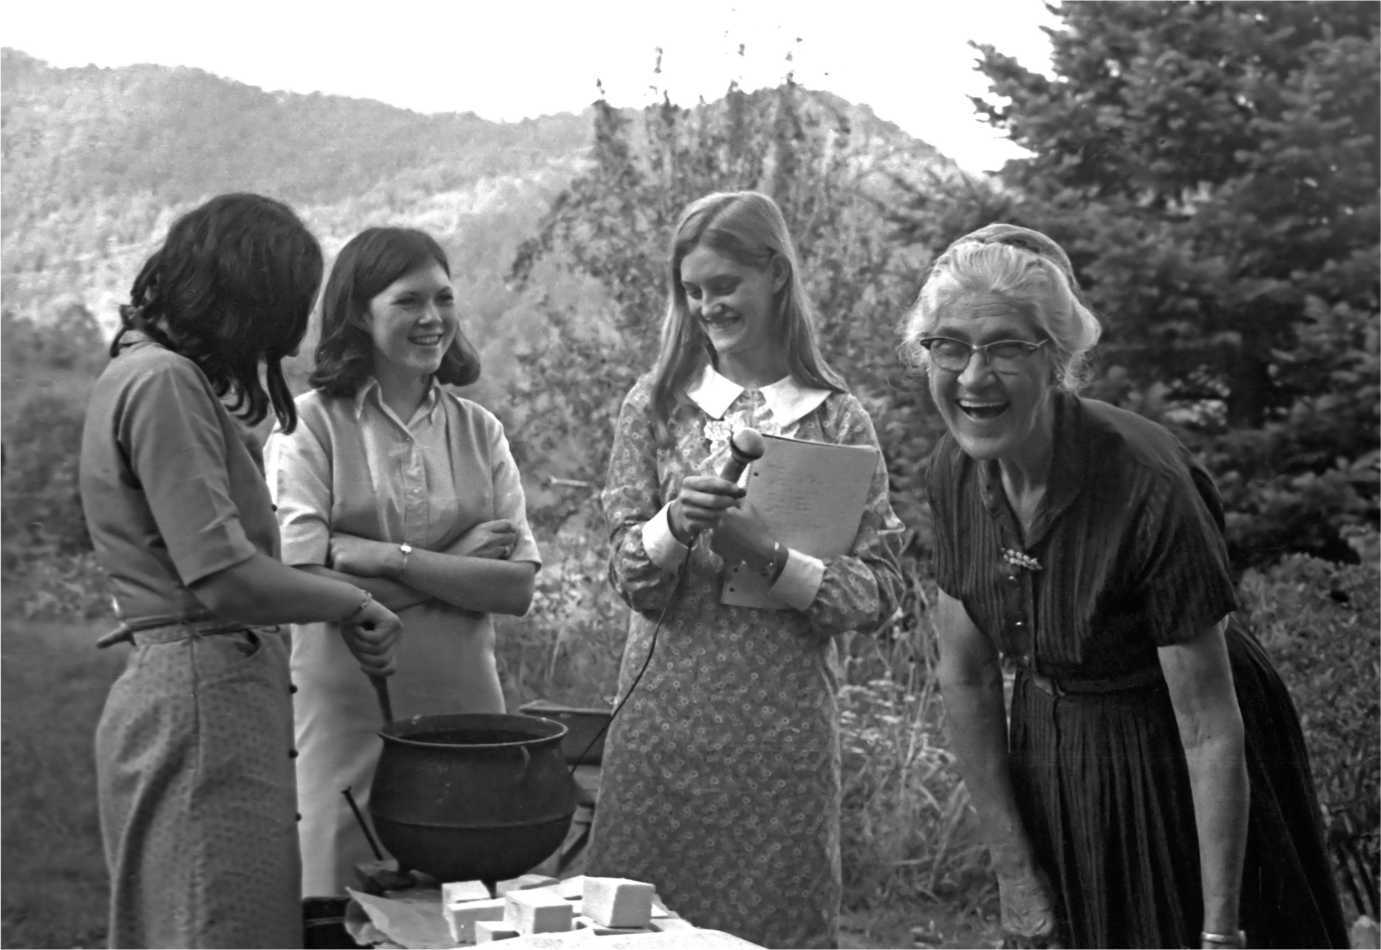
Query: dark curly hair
{"x": 232, "y": 285}
{"x": 365, "y": 267}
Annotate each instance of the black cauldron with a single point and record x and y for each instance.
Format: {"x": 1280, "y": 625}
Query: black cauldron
{"x": 472, "y": 796}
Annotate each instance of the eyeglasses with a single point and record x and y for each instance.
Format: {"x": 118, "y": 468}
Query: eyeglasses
{"x": 1004, "y": 356}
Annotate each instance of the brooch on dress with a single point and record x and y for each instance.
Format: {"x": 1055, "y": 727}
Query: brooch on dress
{"x": 1020, "y": 559}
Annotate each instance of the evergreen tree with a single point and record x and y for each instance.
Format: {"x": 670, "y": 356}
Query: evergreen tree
{"x": 1212, "y": 169}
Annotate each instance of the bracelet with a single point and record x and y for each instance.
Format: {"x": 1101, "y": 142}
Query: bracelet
{"x": 368, "y": 599}
{"x": 776, "y": 563}
{"x": 406, "y": 549}
{"x": 1238, "y": 939}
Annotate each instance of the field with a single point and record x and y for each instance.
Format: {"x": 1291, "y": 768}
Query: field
{"x": 53, "y": 682}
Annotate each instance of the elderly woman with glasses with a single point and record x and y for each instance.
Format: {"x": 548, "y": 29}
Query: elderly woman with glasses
{"x": 1150, "y": 787}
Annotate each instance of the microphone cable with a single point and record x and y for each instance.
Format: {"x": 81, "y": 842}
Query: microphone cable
{"x": 681, "y": 571}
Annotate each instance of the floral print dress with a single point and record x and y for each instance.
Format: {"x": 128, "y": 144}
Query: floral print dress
{"x": 721, "y": 773}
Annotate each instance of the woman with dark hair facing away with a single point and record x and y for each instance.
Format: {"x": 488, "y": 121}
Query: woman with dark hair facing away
{"x": 1153, "y": 788}
{"x": 396, "y": 484}
{"x": 720, "y": 780}
{"x": 193, "y": 750}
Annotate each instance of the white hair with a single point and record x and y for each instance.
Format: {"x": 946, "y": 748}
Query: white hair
{"x": 1032, "y": 273}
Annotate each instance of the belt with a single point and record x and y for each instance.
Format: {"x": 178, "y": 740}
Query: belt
{"x": 1061, "y": 686}
{"x": 168, "y": 630}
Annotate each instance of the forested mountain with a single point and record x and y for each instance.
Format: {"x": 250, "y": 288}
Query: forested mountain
{"x": 98, "y": 161}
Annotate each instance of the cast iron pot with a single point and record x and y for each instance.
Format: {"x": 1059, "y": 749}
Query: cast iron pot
{"x": 472, "y": 796}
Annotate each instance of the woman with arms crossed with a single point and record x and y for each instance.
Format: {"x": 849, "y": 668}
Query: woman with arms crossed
{"x": 193, "y": 750}
{"x": 1154, "y": 789}
{"x": 410, "y": 491}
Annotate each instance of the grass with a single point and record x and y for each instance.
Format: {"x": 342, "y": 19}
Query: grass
{"x": 53, "y": 683}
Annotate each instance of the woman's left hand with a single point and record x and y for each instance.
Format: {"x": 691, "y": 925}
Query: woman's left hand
{"x": 364, "y": 557}
{"x": 742, "y": 535}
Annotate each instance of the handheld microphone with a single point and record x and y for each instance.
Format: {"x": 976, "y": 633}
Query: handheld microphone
{"x": 745, "y": 446}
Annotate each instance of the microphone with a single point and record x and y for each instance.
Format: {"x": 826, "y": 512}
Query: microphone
{"x": 745, "y": 446}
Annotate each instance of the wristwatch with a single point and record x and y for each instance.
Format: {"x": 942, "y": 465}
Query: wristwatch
{"x": 406, "y": 549}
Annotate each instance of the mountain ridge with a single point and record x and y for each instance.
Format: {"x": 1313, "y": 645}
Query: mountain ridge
{"x": 99, "y": 160}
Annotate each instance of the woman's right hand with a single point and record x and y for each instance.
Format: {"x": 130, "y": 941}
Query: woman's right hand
{"x": 493, "y": 539}
{"x": 700, "y": 504}
{"x": 372, "y": 635}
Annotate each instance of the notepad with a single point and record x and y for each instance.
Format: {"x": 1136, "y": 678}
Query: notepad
{"x": 811, "y": 496}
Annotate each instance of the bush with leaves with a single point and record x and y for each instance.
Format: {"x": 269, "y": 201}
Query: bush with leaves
{"x": 1320, "y": 622}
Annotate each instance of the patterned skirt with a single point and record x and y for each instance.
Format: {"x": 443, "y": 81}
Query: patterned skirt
{"x": 197, "y": 798}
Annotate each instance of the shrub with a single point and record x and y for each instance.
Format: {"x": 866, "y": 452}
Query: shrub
{"x": 1319, "y": 621}
{"x": 43, "y": 584}
{"x": 568, "y": 646}
{"x": 42, "y": 442}
{"x": 906, "y": 824}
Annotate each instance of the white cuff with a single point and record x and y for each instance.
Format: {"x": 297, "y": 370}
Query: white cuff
{"x": 799, "y": 580}
{"x": 660, "y": 544}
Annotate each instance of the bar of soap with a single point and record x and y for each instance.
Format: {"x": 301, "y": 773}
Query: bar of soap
{"x": 617, "y": 901}
{"x": 602, "y": 930}
{"x": 533, "y": 912}
{"x": 572, "y": 887}
{"x": 458, "y": 892}
{"x": 524, "y": 882}
{"x": 461, "y": 918}
{"x": 487, "y": 931}
{"x": 663, "y": 924}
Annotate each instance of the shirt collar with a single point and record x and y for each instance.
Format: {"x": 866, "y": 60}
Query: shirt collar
{"x": 788, "y": 400}
{"x": 1073, "y": 463}
{"x": 370, "y": 392}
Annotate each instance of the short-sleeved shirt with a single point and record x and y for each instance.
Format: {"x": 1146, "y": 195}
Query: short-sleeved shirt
{"x": 170, "y": 488}
{"x": 1125, "y": 555}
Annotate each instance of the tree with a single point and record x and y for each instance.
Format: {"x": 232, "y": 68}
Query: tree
{"x": 1212, "y": 169}
{"x": 613, "y": 222}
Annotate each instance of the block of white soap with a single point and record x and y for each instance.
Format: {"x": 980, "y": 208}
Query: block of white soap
{"x": 461, "y": 918}
{"x": 458, "y": 892}
{"x": 617, "y": 901}
{"x": 603, "y": 930}
{"x": 572, "y": 887}
{"x": 663, "y": 924}
{"x": 535, "y": 912}
{"x": 487, "y": 931}
{"x": 524, "y": 882}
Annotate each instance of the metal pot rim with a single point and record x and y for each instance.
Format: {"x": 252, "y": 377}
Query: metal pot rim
{"x": 410, "y": 730}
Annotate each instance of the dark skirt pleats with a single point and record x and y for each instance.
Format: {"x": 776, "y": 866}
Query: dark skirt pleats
{"x": 1105, "y": 795}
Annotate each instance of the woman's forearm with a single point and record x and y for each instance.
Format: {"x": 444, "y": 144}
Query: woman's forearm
{"x": 1199, "y": 677}
{"x": 263, "y": 590}
{"x": 392, "y": 594}
{"x": 978, "y": 737}
{"x": 481, "y": 584}
{"x": 1218, "y": 784}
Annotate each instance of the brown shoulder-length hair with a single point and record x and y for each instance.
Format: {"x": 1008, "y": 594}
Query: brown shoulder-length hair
{"x": 364, "y": 268}
{"x": 232, "y": 287}
{"x": 748, "y": 228}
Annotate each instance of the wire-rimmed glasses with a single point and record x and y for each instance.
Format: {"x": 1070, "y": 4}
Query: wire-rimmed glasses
{"x": 1004, "y": 356}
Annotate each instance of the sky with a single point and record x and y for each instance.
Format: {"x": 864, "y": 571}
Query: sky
{"x": 511, "y": 59}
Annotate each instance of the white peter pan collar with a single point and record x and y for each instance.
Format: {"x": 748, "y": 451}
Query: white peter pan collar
{"x": 786, "y": 399}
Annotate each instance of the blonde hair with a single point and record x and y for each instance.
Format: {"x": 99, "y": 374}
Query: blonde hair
{"x": 1027, "y": 269}
{"x": 748, "y": 228}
